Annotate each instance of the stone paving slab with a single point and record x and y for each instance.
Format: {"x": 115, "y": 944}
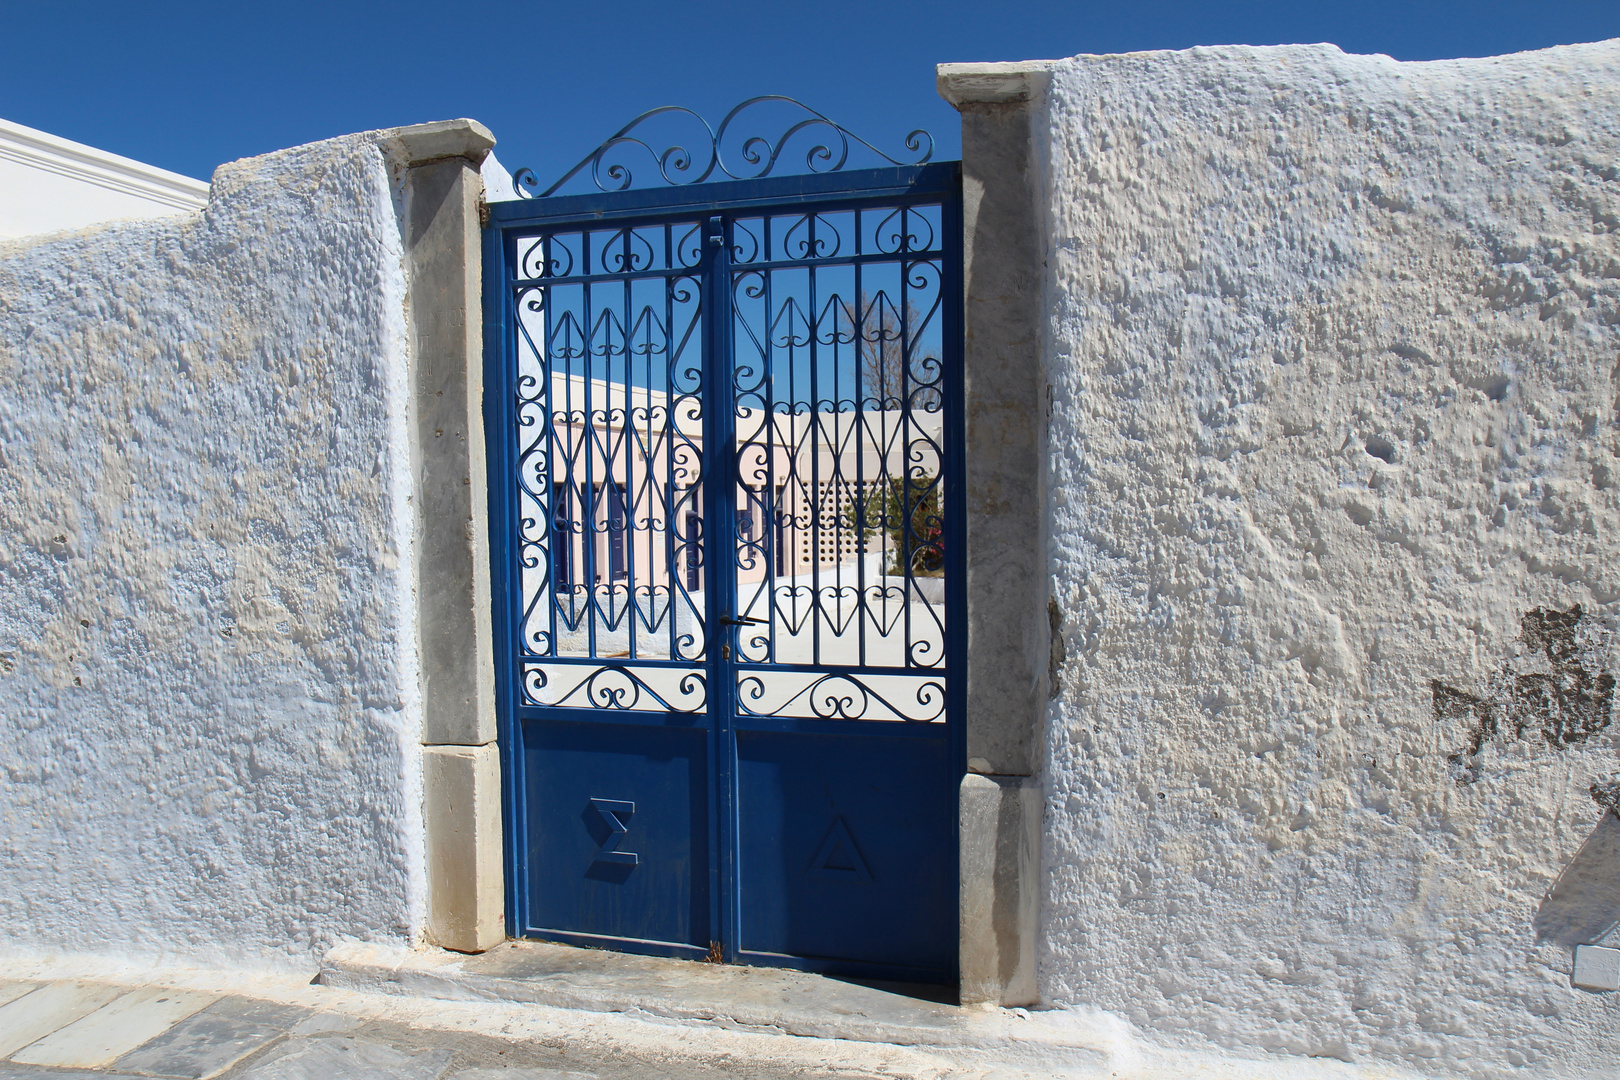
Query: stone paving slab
{"x": 35, "y": 1015}
{"x": 351, "y": 1059}
{"x": 9, "y": 1071}
{"x": 520, "y": 1074}
{"x": 100, "y": 1038}
{"x": 323, "y": 1022}
{"x": 211, "y": 1041}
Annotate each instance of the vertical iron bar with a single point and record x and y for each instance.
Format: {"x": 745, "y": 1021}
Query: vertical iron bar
{"x": 721, "y": 585}
{"x": 588, "y": 450}
{"x": 953, "y": 512}
{"x": 670, "y": 508}
{"x": 817, "y": 525}
{"x": 779, "y": 560}
{"x": 548, "y": 438}
{"x": 627, "y": 444}
{"x": 814, "y": 364}
{"x": 907, "y": 533}
{"x": 500, "y": 374}
{"x": 860, "y": 471}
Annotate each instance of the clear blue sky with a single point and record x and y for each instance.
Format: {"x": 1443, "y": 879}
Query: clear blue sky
{"x": 189, "y": 85}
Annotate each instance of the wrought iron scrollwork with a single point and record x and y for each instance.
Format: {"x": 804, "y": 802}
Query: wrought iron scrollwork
{"x": 831, "y": 522}
{"x": 757, "y": 155}
{"x": 616, "y": 687}
{"x": 840, "y": 695}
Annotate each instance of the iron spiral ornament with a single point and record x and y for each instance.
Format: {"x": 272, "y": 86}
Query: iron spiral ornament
{"x": 756, "y": 156}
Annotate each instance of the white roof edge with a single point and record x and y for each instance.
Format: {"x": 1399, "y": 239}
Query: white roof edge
{"x": 64, "y": 157}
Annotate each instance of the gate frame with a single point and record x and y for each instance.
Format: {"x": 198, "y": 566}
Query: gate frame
{"x": 833, "y": 191}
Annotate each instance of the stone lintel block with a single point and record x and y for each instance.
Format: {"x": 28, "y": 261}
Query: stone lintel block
{"x": 1000, "y": 821}
{"x": 461, "y": 810}
{"x": 1597, "y": 967}
{"x": 419, "y": 144}
{"x": 993, "y": 84}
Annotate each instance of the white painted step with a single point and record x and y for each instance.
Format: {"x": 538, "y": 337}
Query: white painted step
{"x": 35, "y": 1015}
{"x": 115, "y": 1029}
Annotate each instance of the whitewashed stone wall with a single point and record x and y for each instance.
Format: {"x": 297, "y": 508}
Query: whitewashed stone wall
{"x": 1335, "y": 428}
{"x": 208, "y": 694}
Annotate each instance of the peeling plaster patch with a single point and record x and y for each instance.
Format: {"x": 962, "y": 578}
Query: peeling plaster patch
{"x": 1606, "y": 793}
{"x": 1568, "y": 701}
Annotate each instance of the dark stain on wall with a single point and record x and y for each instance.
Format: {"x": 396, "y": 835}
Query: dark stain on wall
{"x": 1567, "y": 699}
{"x": 1059, "y": 648}
{"x": 1606, "y": 793}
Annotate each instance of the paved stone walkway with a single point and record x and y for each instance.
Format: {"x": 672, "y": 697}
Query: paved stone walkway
{"x": 504, "y": 1017}
{"x": 72, "y": 1029}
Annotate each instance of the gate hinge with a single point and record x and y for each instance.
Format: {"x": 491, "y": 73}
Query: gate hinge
{"x": 483, "y": 214}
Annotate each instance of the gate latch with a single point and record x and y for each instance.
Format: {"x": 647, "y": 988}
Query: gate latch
{"x": 746, "y": 620}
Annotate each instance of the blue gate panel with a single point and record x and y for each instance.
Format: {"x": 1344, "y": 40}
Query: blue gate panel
{"x": 846, "y": 851}
{"x": 727, "y": 537}
{"x": 617, "y": 818}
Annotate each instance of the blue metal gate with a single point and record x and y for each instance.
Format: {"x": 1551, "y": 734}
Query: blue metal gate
{"x": 724, "y": 426}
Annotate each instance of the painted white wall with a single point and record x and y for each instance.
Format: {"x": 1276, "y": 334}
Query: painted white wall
{"x": 498, "y": 186}
{"x": 209, "y": 712}
{"x": 1334, "y": 361}
{"x": 49, "y": 183}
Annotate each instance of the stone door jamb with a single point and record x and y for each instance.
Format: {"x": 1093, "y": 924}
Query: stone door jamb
{"x": 461, "y": 773}
{"x": 1004, "y": 120}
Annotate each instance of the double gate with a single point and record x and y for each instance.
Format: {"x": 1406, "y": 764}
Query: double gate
{"x": 724, "y": 422}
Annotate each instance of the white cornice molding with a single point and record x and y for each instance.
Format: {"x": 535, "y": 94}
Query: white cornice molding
{"x": 49, "y": 153}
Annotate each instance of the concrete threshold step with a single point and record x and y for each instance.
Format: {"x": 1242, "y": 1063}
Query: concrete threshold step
{"x": 766, "y": 999}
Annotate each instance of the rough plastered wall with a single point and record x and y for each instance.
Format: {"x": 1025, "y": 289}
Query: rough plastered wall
{"x": 1334, "y": 362}
{"x": 207, "y": 684}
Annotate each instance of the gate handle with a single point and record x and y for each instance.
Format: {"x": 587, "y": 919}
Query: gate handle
{"x": 746, "y": 620}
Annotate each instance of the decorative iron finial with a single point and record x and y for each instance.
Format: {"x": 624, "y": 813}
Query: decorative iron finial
{"x": 759, "y": 155}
